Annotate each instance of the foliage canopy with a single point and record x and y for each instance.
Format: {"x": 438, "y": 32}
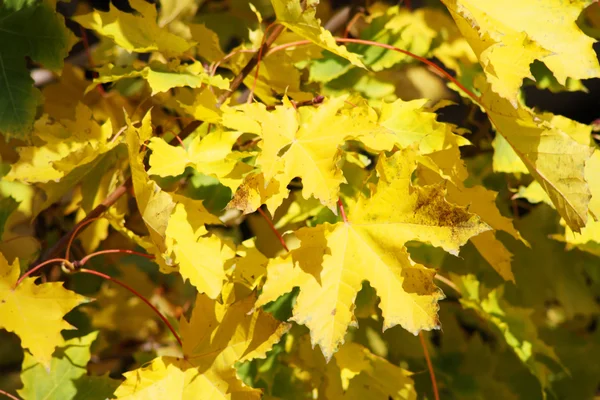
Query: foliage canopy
{"x": 284, "y": 199}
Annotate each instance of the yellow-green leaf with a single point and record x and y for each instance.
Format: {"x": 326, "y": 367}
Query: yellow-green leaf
{"x": 137, "y": 32}
{"x": 291, "y": 14}
{"x": 35, "y": 312}
{"x": 507, "y": 42}
{"x": 333, "y": 260}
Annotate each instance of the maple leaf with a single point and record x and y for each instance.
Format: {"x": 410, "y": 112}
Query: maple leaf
{"x": 67, "y": 377}
{"x": 208, "y": 46}
{"x": 355, "y": 372}
{"x": 372, "y": 376}
{"x": 479, "y": 200}
{"x": 333, "y": 260}
{"x": 291, "y": 14}
{"x": 515, "y": 325}
{"x": 210, "y": 154}
{"x": 154, "y": 204}
{"x": 35, "y": 312}
{"x": 230, "y": 333}
{"x": 589, "y": 237}
{"x": 404, "y": 124}
{"x": 163, "y": 77}
{"x": 61, "y": 147}
{"x": 304, "y": 143}
{"x": 185, "y": 235}
{"x": 134, "y": 32}
{"x": 38, "y": 32}
{"x": 506, "y": 42}
{"x": 551, "y": 156}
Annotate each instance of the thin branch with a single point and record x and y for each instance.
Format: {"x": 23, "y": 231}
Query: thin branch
{"x": 429, "y": 366}
{"x": 342, "y": 211}
{"x": 10, "y": 396}
{"x": 39, "y": 266}
{"x": 237, "y": 81}
{"x": 75, "y": 232}
{"x": 448, "y": 283}
{"x": 132, "y": 290}
{"x": 266, "y": 217}
{"x": 94, "y": 214}
{"x": 260, "y": 53}
{"x": 312, "y": 102}
{"x": 85, "y": 259}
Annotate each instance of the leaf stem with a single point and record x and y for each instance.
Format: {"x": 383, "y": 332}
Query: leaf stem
{"x": 88, "y": 53}
{"x": 258, "y": 59}
{"x": 429, "y": 366}
{"x": 39, "y": 266}
{"x": 10, "y": 396}
{"x": 266, "y": 217}
{"x": 85, "y": 259}
{"x": 133, "y": 291}
{"x": 237, "y": 81}
{"x": 342, "y": 211}
{"x": 75, "y": 232}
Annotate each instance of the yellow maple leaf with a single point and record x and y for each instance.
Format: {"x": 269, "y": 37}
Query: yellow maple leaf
{"x": 255, "y": 191}
{"x": 304, "y": 143}
{"x": 61, "y": 147}
{"x": 354, "y": 373}
{"x": 333, "y": 260}
{"x": 154, "y": 205}
{"x": 230, "y": 334}
{"x": 507, "y": 42}
{"x": 404, "y": 124}
{"x": 208, "y": 46}
{"x": 552, "y": 156}
{"x": 589, "y": 237}
{"x": 201, "y": 258}
{"x": 479, "y": 200}
{"x": 35, "y": 312}
{"x": 137, "y": 32}
{"x": 210, "y": 155}
{"x": 291, "y": 14}
{"x": 366, "y": 375}
{"x": 162, "y": 77}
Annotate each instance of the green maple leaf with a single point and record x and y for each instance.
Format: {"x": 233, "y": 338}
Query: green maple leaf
{"x": 66, "y": 379}
{"x": 36, "y": 32}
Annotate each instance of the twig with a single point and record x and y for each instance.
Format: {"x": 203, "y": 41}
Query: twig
{"x": 237, "y": 81}
{"x": 266, "y": 217}
{"x": 39, "y": 266}
{"x": 429, "y": 366}
{"x": 10, "y": 396}
{"x": 132, "y": 290}
{"x": 342, "y": 211}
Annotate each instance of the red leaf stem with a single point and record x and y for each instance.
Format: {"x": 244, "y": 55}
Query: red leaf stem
{"x": 39, "y": 266}
{"x": 133, "y": 291}
{"x": 429, "y": 366}
{"x": 342, "y": 211}
{"x": 266, "y": 217}
{"x": 10, "y": 396}
{"x": 85, "y": 259}
{"x": 75, "y": 231}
